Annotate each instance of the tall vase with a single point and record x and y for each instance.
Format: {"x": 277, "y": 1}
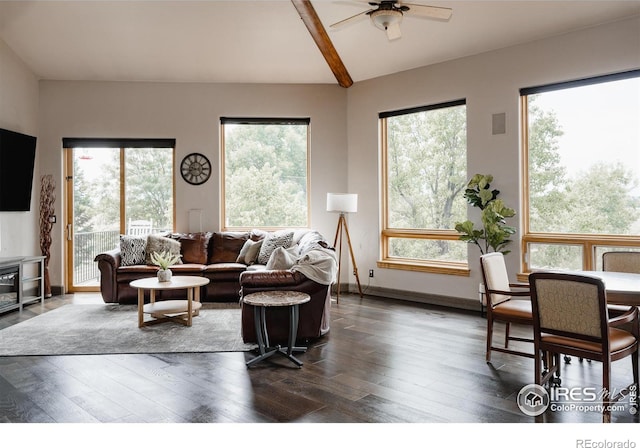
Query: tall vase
{"x": 47, "y": 218}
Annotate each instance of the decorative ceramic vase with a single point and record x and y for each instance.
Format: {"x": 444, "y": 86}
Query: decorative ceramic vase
{"x": 164, "y": 275}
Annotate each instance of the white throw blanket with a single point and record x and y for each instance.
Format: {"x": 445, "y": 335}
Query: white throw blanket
{"x": 319, "y": 265}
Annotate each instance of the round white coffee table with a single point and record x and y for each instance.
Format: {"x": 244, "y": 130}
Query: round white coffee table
{"x": 177, "y": 310}
{"x": 265, "y": 299}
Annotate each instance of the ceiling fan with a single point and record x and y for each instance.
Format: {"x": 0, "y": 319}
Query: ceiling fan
{"x": 387, "y": 15}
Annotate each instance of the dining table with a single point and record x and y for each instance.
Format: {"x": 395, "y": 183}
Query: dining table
{"x": 623, "y": 288}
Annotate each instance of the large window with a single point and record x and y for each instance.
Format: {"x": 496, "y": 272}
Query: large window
{"x": 581, "y": 171}
{"x": 265, "y": 172}
{"x": 424, "y": 172}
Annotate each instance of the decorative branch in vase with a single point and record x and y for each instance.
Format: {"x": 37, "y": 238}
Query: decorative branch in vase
{"x": 164, "y": 260}
{"x": 495, "y": 234}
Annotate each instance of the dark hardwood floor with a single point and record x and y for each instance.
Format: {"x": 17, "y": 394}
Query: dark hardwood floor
{"x": 384, "y": 361}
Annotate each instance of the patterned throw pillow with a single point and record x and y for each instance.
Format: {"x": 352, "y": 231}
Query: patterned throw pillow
{"x": 271, "y": 241}
{"x": 132, "y": 250}
{"x": 159, "y": 244}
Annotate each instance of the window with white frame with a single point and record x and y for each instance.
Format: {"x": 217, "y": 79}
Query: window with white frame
{"x": 424, "y": 175}
{"x": 581, "y": 156}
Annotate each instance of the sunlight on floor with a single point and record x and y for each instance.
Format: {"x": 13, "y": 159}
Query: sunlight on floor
{"x": 85, "y": 298}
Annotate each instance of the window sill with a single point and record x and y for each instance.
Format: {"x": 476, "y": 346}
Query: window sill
{"x": 447, "y": 268}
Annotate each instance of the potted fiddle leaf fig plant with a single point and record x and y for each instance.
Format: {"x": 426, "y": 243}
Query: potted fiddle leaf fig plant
{"x": 495, "y": 234}
{"x": 164, "y": 260}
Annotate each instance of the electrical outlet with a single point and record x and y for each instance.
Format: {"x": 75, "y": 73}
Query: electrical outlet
{"x": 370, "y": 272}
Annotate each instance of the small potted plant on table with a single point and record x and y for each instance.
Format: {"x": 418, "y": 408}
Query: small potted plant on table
{"x": 164, "y": 260}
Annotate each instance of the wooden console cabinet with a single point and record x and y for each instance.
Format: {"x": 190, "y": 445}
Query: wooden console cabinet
{"x": 21, "y": 281}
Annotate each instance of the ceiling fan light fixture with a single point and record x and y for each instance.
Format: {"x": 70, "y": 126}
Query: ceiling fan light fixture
{"x": 385, "y": 18}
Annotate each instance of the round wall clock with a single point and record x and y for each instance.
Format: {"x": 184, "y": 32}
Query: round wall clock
{"x": 195, "y": 168}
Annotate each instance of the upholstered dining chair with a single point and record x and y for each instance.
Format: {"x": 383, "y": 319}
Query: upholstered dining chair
{"x": 507, "y": 302}
{"x": 570, "y": 316}
{"x": 619, "y": 261}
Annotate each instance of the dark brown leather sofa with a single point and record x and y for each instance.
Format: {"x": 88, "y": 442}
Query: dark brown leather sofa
{"x": 215, "y": 255}
{"x": 208, "y": 254}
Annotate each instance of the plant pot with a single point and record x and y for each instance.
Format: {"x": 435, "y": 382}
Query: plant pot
{"x": 164, "y": 275}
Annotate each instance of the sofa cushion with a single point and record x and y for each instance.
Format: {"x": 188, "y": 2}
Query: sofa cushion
{"x": 282, "y": 258}
{"x": 156, "y": 243}
{"x": 132, "y": 250}
{"x": 256, "y": 267}
{"x": 271, "y": 241}
{"x": 194, "y": 246}
{"x": 224, "y": 247}
{"x": 188, "y": 269}
{"x": 224, "y": 267}
{"x": 136, "y": 269}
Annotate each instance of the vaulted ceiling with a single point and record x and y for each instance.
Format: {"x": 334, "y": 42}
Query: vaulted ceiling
{"x": 267, "y": 41}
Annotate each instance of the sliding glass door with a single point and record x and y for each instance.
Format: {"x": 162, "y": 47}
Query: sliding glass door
{"x": 113, "y": 191}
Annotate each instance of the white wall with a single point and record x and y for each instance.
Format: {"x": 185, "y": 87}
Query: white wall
{"x": 342, "y": 122}
{"x": 190, "y": 113}
{"x": 490, "y": 82}
{"x": 19, "y": 231}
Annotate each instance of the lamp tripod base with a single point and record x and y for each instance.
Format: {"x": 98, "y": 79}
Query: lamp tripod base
{"x": 342, "y": 227}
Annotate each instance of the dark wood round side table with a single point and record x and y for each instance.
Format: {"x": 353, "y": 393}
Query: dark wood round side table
{"x": 265, "y": 299}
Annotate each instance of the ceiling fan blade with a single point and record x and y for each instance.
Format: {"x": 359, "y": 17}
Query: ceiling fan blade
{"x": 348, "y": 20}
{"x": 393, "y": 31}
{"x": 432, "y": 12}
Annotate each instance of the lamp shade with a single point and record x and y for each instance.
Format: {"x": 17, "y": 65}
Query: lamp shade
{"x": 342, "y": 202}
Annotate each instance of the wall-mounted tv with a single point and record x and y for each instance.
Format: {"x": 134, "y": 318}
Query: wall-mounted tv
{"x": 17, "y": 158}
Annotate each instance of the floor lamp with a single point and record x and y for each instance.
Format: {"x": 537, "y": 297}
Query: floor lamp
{"x": 343, "y": 203}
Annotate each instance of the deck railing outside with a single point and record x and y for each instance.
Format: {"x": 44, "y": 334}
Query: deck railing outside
{"x": 86, "y": 246}
{"x": 89, "y": 244}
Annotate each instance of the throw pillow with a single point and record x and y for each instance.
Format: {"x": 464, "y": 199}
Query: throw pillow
{"x": 271, "y": 241}
{"x": 282, "y": 258}
{"x": 252, "y": 252}
{"x": 194, "y": 247}
{"x": 156, "y": 243}
{"x": 243, "y": 251}
{"x": 132, "y": 250}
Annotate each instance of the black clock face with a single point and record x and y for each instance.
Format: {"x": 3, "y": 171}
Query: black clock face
{"x": 195, "y": 169}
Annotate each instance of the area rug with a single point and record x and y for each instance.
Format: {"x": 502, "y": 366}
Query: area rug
{"x": 113, "y": 329}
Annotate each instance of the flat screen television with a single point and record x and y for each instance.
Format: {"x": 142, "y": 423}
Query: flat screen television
{"x": 17, "y": 158}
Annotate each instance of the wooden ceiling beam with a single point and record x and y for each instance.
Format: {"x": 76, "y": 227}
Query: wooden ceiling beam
{"x": 310, "y": 18}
